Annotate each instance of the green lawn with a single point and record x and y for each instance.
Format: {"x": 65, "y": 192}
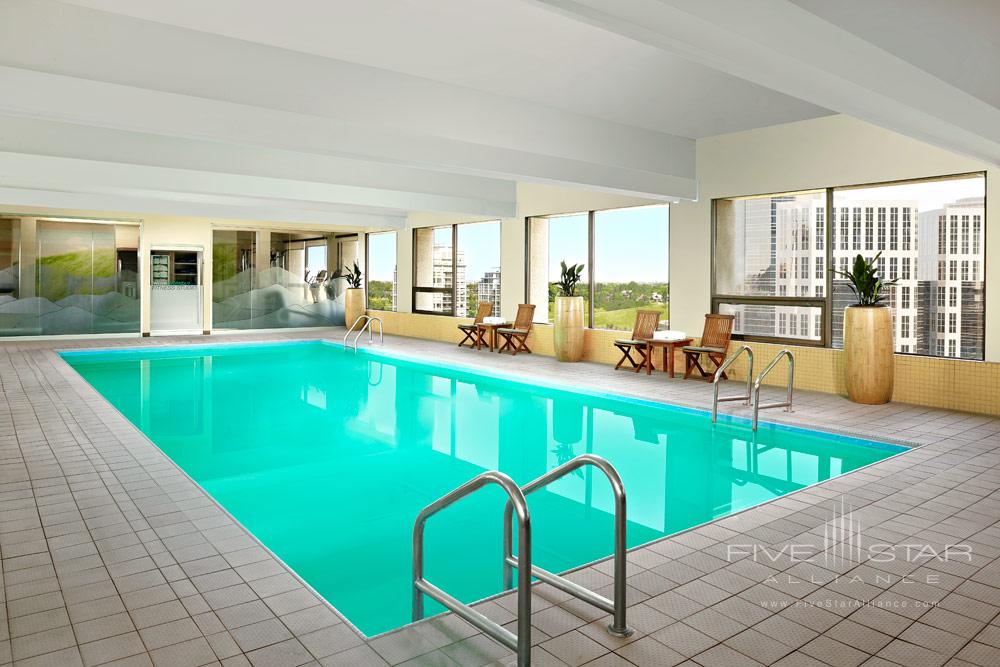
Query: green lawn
{"x": 621, "y": 319}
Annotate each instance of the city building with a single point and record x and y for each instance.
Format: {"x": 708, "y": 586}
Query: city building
{"x": 445, "y": 274}
{"x": 488, "y": 288}
{"x": 952, "y": 278}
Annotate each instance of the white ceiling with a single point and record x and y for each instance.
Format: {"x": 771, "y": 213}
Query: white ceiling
{"x": 515, "y": 49}
{"x": 357, "y": 112}
{"x": 958, "y": 41}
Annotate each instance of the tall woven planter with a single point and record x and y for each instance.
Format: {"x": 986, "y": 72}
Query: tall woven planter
{"x": 869, "y": 351}
{"x": 354, "y": 304}
{"x": 568, "y": 332}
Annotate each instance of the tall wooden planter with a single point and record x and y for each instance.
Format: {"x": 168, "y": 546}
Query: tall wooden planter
{"x": 354, "y": 304}
{"x": 868, "y": 348}
{"x": 568, "y": 333}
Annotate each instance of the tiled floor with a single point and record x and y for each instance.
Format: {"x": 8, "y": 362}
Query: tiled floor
{"x": 111, "y": 555}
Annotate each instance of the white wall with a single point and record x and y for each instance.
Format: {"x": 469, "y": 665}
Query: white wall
{"x": 831, "y": 151}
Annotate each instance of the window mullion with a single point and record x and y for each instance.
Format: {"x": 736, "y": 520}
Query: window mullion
{"x": 828, "y": 308}
{"x": 454, "y": 270}
{"x": 590, "y": 259}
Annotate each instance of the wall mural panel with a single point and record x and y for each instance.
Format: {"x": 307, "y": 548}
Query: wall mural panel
{"x": 60, "y": 278}
{"x": 293, "y": 288}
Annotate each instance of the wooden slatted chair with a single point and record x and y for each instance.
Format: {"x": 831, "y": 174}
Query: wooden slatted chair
{"x": 714, "y": 344}
{"x": 646, "y": 322}
{"x": 471, "y": 331}
{"x": 516, "y": 337}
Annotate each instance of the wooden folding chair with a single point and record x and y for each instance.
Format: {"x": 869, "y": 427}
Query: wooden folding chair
{"x": 516, "y": 337}
{"x": 471, "y": 331}
{"x": 646, "y": 322}
{"x": 714, "y": 344}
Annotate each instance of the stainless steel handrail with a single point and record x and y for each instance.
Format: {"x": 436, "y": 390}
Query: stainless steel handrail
{"x": 361, "y": 318}
{"x": 617, "y": 607}
{"x": 718, "y": 376}
{"x": 521, "y": 642}
{"x": 367, "y": 326}
{"x": 787, "y": 403}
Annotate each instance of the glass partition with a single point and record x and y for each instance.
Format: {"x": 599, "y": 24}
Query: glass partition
{"x": 65, "y": 277}
{"x": 264, "y": 279}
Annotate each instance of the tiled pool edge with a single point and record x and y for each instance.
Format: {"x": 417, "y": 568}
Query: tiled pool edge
{"x": 543, "y": 652}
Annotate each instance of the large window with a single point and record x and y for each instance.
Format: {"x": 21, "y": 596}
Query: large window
{"x": 922, "y": 216}
{"x": 771, "y": 251}
{"x": 73, "y": 277}
{"x": 625, "y": 253}
{"x": 551, "y": 240}
{"x": 455, "y": 267}
{"x": 381, "y": 271}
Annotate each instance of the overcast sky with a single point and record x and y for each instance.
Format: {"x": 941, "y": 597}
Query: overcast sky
{"x": 929, "y": 195}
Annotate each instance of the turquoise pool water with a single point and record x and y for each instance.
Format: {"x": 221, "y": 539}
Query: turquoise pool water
{"x": 327, "y": 457}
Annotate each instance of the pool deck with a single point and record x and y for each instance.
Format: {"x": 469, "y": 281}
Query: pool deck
{"x": 112, "y": 555}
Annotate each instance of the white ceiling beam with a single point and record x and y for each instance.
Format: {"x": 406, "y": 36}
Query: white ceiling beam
{"x": 309, "y": 201}
{"x": 777, "y": 44}
{"x": 136, "y": 206}
{"x": 129, "y": 74}
{"x": 65, "y": 156}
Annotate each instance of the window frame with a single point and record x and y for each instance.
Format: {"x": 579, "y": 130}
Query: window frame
{"x": 824, "y": 302}
{"x": 830, "y": 231}
{"x": 591, "y": 255}
{"x": 368, "y": 235}
{"x": 415, "y": 289}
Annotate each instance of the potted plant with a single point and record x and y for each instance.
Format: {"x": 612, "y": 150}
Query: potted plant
{"x": 354, "y": 296}
{"x": 868, "y": 335}
{"x": 568, "y": 335}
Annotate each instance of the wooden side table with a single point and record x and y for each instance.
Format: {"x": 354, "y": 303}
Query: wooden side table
{"x": 491, "y": 331}
{"x": 668, "y": 352}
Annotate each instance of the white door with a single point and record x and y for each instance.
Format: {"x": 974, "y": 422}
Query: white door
{"x": 176, "y": 284}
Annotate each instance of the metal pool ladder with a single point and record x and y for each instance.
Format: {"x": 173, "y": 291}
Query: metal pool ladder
{"x": 718, "y": 376}
{"x": 518, "y": 504}
{"x": 368, "y": 320}
{"x": 787, "y": 403}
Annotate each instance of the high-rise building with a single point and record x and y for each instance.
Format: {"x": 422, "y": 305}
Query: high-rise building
{"x": 394, "y": 276}
{"x": 936, "y": 259}
{"x": 441, "y": 276}
{"x": 951, "y": 272}
{"x": 871, "y": 227}
{"x": 488, "y": 288}
{"x": 785, "y": 240}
